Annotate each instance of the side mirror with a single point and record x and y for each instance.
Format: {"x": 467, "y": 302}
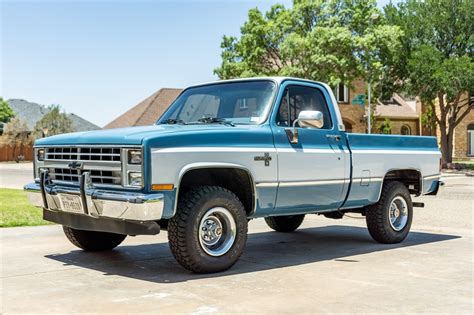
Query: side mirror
{"x": 310, "y": 119}
{"x": 306, "y": 119}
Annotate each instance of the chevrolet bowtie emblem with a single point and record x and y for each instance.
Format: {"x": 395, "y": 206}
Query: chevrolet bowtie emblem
{"x": 266, "y": 157}
{"x": 75, "y": 165}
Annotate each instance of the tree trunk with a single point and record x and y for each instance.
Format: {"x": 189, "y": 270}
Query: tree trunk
{"x": 445, "y": 147}
{"x": 446, "y": 129}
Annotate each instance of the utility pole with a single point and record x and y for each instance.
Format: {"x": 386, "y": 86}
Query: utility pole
{"x": 373, "y": 17}
{"x": 369, "y": 110}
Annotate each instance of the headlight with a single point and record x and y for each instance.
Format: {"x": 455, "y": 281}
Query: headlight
{"x": 40, "y": 154}
{"x": 134, "y": 157}
{"x": 135, "y": 179}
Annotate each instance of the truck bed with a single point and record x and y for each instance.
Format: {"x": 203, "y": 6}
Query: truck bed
{"x": 373, "y": 156}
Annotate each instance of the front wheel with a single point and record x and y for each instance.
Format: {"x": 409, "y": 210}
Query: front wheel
{"x": 93, "y": 241}
{"x": 209, "y": 231}
{"x": 389, "y": 220}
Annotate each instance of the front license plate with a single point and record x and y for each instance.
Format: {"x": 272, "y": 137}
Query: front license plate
{"x": 71, "y": 203}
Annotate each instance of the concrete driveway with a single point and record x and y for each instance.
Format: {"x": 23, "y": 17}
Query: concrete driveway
{"x": 326, "y": 266}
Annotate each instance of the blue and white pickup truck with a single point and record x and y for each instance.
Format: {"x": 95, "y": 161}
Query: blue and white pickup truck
{"x": 222, "y": 154}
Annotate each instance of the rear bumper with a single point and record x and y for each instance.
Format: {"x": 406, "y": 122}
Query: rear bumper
{"x": 97, "y": 204}
{"x": 435, "y": 187}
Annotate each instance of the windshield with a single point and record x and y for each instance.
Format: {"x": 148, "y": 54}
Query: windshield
{"x": 233, "y": 102}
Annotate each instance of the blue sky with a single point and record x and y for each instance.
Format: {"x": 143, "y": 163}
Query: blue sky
{"x": 99, "y": 58}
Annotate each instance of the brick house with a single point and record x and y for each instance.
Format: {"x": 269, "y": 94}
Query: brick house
{"x": 463, "y": 142}
{"x": 404, "y": 115}
{"x": 405, "y": 118}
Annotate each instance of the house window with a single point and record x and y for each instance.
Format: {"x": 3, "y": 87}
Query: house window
{"x": 242, "y": 104}
{"x": 406, "y": 131}
{"x": 470, "y": 140}
{"x": 342, "y": 93}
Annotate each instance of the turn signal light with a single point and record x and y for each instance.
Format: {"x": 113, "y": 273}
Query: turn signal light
{"x": 162, "y": 187}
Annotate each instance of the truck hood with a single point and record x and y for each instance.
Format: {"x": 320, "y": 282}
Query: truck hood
{"x": 134, "y": 135}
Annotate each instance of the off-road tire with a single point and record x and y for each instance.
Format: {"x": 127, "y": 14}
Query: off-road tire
{"x": 93, "y": 241}
{"x": 377, "y": 215}
{"x": 183, "y": 229}
{"x": 287, "y": 223}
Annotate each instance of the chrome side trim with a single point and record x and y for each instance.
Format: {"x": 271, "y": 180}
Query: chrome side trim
{"x": 266, "y": 185}
{"x": 400, "y": 151}
{"x": 372, "y": 179}
{"x": 213, "y": 149}
{"x": 301, "y": 183}
{"x": 313, "y": 183}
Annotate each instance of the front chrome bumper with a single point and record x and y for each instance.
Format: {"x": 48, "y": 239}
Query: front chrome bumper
{"x": 97, "y": 203}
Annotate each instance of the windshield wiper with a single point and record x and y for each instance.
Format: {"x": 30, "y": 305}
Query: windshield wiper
{"x": 172, "y": 121}
{"x": 215, "y": 120}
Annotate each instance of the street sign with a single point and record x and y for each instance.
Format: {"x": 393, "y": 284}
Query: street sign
{"x": 359, "y": 99}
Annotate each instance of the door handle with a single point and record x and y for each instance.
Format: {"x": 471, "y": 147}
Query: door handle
{"x": 335, "y": 137}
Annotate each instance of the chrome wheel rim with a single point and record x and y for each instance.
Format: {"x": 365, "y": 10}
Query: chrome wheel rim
{"x": 217, "y": 231}
{"x": 398, "y": 213}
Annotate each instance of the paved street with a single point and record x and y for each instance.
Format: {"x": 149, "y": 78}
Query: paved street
{"x": 326, "y": 266}
{"x": 15, "y": 175}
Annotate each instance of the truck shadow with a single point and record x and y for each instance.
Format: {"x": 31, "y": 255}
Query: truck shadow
{"x": 264, "y": 251}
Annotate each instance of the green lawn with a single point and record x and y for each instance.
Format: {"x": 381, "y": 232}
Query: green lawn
{"x": 15, "y": 210}
{"x": 470, "y": 162}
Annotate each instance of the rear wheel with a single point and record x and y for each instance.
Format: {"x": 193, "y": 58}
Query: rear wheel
{"x": 389, "y": 220}
{"x": 209, "y": 231}
{"x": 287, "y": 223}
{"x": 92, "y": 240}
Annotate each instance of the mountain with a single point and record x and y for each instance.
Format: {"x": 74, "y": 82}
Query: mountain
{"x": 31, "y": 113}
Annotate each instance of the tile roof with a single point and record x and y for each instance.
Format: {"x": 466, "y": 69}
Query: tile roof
{"x": 146, "y": 112}
{"x": 397, "y": 108}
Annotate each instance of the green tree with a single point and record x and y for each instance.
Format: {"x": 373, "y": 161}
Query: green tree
{"x": 16, "y": 131}
{"x": 6, "y": 113}
{"x": 332, "y": 41}
{"x": 386, "y": 126}
{"x": 436, "y": 62}
{"x": 54, "y": 122}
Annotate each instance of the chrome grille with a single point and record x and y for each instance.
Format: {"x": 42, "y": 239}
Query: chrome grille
{"x": 83, "y": 154}
{"x": 97, "y": 176}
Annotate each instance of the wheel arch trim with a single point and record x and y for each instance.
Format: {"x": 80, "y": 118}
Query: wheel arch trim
{"x": 420, "y": 178}
{"x": 213, "y": 165}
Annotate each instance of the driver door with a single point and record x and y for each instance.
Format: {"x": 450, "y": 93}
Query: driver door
{"x": 311, "y": 173}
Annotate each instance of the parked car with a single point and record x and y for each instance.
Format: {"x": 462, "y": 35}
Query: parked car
{"x": 222, "y": 154}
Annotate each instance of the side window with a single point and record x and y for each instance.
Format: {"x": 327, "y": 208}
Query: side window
{"x": 299, "y": 98}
